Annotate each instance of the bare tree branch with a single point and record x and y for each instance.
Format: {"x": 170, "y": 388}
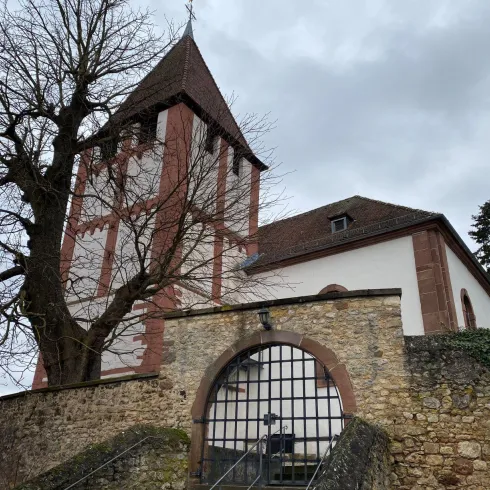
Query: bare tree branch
{"x": 109, "y": 214}
{"x": 13, "y": 272}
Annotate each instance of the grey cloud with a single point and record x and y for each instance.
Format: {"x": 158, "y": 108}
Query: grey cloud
{"x": 384, "y": 99}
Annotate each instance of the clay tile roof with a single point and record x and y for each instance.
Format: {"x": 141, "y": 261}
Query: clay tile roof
{"x": 182, "y": 72}
{"x": 310, "y": 232}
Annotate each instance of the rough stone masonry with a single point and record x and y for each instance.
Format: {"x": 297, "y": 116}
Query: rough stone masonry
{"x": 433, "y": 403}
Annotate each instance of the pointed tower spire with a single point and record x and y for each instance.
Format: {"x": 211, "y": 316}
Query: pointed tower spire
{"x": 188, "y": 30}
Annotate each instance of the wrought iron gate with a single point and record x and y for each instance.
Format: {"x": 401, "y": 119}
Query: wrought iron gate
{"x": 278, "y": 391}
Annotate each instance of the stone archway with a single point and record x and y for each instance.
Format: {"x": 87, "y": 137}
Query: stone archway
{"x": 336, "y": 370}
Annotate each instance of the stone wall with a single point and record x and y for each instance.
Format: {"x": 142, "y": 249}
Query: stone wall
{"x": 47, "y": 427}
{"x": 442, "y": 431}
{"x": 359, "y": 461}
{"x": 438, "y": 418}
{"x": 160, "y": 461}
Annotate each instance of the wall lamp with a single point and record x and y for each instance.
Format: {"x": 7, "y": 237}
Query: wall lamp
{"x": 265, "y": 318}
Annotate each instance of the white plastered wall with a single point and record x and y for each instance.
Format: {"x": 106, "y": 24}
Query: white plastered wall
{"x": 144, "y": 171}
{"x": 198, "y": 258}
{"x": 134, "y": 240}
{"x": 233, "y": 279}
{"x": 203, "y": 168}
{"x": 193, "y": 300}
{"x": 86, "y": 266}
{"x": 99, "y": 196}
{"x": 388, "y": 264}
{"x": 124, "y": 351}
{"x": 461, "y": 278}
{"x": 143, "y": 177}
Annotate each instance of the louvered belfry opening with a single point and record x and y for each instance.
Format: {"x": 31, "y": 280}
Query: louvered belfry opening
{"x": 278, "y": 391}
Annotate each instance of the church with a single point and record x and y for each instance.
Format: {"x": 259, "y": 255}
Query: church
{"x": 341, "y": 292}
{"x": 354, "y": 244}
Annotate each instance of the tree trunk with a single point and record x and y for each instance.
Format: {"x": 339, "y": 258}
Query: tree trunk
{"x": 62, "y": 341}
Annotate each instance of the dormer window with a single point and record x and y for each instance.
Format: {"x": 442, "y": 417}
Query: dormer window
{"x": 339, "y": 224}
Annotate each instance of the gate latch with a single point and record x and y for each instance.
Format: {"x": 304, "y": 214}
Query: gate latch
{"x": 270, "y": 418}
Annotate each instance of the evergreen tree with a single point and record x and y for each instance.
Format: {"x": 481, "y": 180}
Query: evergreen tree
{"x": 481, "y": 234}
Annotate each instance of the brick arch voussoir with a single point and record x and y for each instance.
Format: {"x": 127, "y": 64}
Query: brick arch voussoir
{"x": 337, "y": 370}
{"x": 333, "y": 288}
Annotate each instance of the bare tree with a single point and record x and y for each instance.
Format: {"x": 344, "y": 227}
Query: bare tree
{"x": 70, "y": 135}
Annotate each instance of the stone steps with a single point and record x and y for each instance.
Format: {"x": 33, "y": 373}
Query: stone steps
{"x": 239, "y": 487}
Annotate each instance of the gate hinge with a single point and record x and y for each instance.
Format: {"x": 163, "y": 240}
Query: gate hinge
{"x": 196, "y": 474}
{"x": 201, "y": 420}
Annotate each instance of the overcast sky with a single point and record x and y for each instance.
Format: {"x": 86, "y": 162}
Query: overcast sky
{"x": 387, "y": 99}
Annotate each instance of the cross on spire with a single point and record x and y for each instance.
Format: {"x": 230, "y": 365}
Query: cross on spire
{"x": 190, "y": 9}
{"x": 188, "y": 30}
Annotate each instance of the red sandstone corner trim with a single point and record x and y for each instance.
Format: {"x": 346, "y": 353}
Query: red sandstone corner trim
{"x": 154, "y": 331}
{"x": 451, "y": 305}
{"x": 69, "y": 240}
{"x": 435, "y": 291}
{"x": 221, "y": 185}
{"x": 253, "y": 246}
{"x": 176, "y": 153}
{"x": 324, "y": 355}
{"x": 217, "y": 269}
{"x": 173, "y": 180}
{"x": 219, "y": 225}
{"x": 39, "y": 375}
{"x": 108, "y": 260}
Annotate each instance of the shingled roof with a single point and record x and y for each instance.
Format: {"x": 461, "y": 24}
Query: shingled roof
{"x": 310, "y": 232}
{"x": 182, "y": 74}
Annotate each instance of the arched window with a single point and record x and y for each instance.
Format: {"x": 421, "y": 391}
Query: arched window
{"x": 468, "y": 313}
{"x": 333, "y": 288}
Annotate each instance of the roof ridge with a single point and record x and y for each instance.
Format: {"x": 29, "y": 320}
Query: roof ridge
{"x": 401, "y": 206}
{"x": 308, "y": 212}
{"x": 186, "y": 61}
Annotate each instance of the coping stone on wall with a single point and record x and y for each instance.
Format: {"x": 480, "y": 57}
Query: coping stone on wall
{"x": 359, "y": 461}
{"x": 84, "y": 384}
{"x": 360, "y": 293}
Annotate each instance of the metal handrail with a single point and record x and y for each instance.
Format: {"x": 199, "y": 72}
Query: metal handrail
{"x": 260, "y": 460}
{"x": 250, "y": 449}
{"x": 113, "y": 459}
{"x": 327, "y": 451}
{"x": 258, "y": 478}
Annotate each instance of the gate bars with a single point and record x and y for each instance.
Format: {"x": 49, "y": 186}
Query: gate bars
{"x": 263, "y": 385}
